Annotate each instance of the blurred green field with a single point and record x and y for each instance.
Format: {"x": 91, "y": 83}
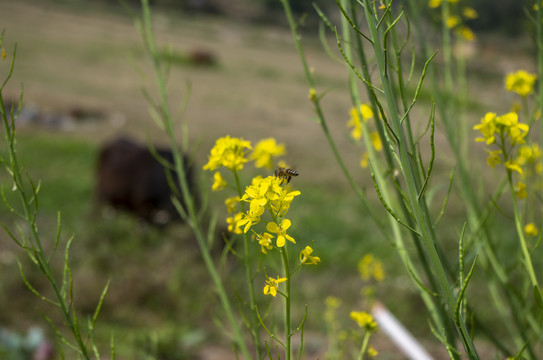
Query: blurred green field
{"x": 90, "y": 57}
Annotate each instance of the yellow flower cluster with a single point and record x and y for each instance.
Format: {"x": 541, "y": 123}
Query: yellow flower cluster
{"x": 228, "y": 152}
{"x": 372, "y": 352}
{"x": 369, "y": 267}
{"x": 496, "y": 129}
{"x": 232, "y": 153}
{"x": 356, "y": 133}
{"x": 520, "y": 82}
{"x": 456, "y": 22}
{"x": 364, "y": 320}
{"x": 264, "y": 151}
{"x": 508, "y": 137}
{"x": 356, "y": 123}
{"x": 264, "y": 194}
{"x": 505, "y": 132}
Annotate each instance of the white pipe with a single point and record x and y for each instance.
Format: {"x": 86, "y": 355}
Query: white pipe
{"x": 399, "y": 334}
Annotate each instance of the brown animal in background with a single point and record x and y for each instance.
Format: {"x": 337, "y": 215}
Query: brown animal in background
{"x": 202, "y": 57}
{"x": 130, "y": 178}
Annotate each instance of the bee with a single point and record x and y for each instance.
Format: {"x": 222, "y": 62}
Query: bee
{"x": 285, "y": 174}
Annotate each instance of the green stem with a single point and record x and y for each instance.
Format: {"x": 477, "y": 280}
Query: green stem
{"x": 364, "y": 346}
{"x": 322, "y": 121}
{"x": 181, "y": 171}
{"x": 30, "y": 218}
{"x": 520, "y": 232}
{"x": 250, "y": 277}
{"x": 539, "y": 39}
{"x": 436, "y": 312}
{"x": 287, "y": 274}
{"x": 418, "y": 207}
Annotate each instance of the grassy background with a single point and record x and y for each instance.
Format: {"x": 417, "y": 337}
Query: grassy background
{"x": 90, "y": 57}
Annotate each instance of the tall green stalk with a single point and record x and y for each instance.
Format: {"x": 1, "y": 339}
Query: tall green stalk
{"x": 27, "y": 191}
{"x": 418, "y": 207}
{"x": 179, "y": 166}
{"x": 288, "y": 275}
{"x": 435, "y": 311}
{"x": 250, "y": 278}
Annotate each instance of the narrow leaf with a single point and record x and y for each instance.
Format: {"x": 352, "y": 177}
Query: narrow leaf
{"x": 388, "y": 208}
{"x": 31, "y": 288}
{"x": 462, "y": 292}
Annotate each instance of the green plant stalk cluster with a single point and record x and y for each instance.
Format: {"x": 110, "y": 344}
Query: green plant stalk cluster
{"x": 189, "y": 213}
{"x": 405, "y": 151}
{"x": 411, "y": 176}
{"x": 84, "y": 346}
{"x": 498, "y": 277}
{"x": 382, "y": 190}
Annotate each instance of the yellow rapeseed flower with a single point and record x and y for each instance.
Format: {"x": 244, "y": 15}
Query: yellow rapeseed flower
{"x": 332, "y": 302}
{"x": 452, "y": 21}
{"x": 434, "y": 4}
{"x": 520, "y": 190}
{"x": 515, "y": 130}
{"x": 269, "y": 191}
{"x": 466, "y": 33}
{"x": 376, "y": 141}
{"x": 228, "y": 152}
{"x": 355, "y": 122}
{"x": 521, "y": 82}
{"x": 469, "y": 13}
{"x": 487, "y": 127}
{"x": 370, "y": 267}
{"x": 312, "y": 94}
{"x": 251, "y": 217}
{"x": 233, "y": 221}
{"x": 531, "y": 230}
{"x": 494, "y": 158}
{"x": 232, "y": 204}
{"x": 306, "y": 258}
{"x": 265, "y": 242}
{"x": 272, "y": 285}
{"x": 264, "y": 151}
{"x": 364, "y": 320}
{"x": 529, "y": 157}
{"x": 218, "y": 182}
{"x": 281, "y": 231}
{"x": 3, "y": 54}
{"x": 372, "y": 352}
{"x": 493, "y": 127}
{"x": 365, "y": 161}
{"x": 529, "y": 154}
{"x": 513, "y": 166}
